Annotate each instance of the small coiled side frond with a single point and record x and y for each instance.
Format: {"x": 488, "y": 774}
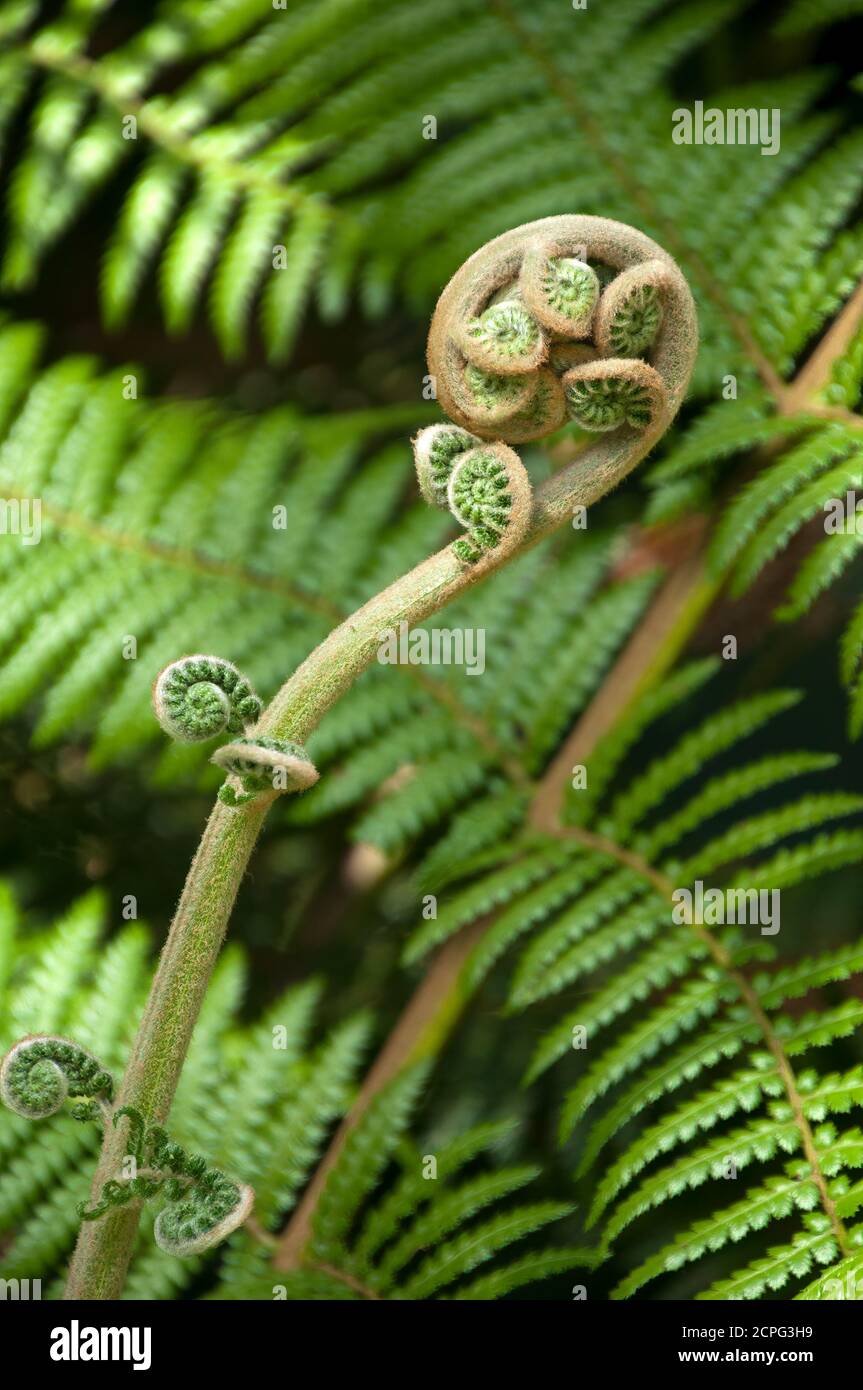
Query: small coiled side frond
{"x": 203, "y": 1206}
{"x": 485, "y": 486}
{"x": 264, "y": 764}
{"x": 42, "y": 1072}
{"x": 604, "y": 395}
{"x": 199, "y": 697}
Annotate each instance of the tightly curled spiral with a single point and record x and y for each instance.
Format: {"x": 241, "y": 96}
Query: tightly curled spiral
{"x": 604, "y": 395}
{"x": 41, "y": 1072}
{"x": 554, "y": 321}
{"x": 205, "y": 1215}
{"x": 203, "y": 1205}
{"x": 198, "y": 697}
{"x": 265, "y": 764}
{"x": 485, "y": 486}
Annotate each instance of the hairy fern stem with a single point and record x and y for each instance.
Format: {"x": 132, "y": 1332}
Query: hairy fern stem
{"x": 104, "y": 1247}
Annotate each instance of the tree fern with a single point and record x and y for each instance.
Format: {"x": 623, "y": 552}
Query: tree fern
{"x": 233, "y": 164}
{"x": 324, "y": 168}
{"x": 163, "y": 564}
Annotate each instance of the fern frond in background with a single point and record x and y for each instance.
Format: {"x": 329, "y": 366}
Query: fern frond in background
{"x": 682, "y": 1004}
{"x": 145, "y": 535}
{"x": 805, "y": 15}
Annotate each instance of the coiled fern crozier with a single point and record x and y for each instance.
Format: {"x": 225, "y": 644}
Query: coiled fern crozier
{"x": 553, "y": 320}
{"x": 199, "y": 697}
{"x": 40, "y": 1074}
{"x": 502, "y": 370}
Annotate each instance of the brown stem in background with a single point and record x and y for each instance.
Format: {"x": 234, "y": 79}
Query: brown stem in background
{"x": 686, "y": 585}
{"x": 815, "y": 372}
{"x": 432, "y": 1009}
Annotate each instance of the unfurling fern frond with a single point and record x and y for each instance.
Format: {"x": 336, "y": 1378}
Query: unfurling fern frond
{"x": 264, "y": 763}
{"x": 499, "y": 337}
{"x": 198, "y": 697}
{"x": 41, "y": 1072}
{"x": 204, "y": 1206}
{"x": 513, "y": 305}
{"x": 269, "y": 163}
{"x": 499, "y": 341}
{"x": 485, "y": 486}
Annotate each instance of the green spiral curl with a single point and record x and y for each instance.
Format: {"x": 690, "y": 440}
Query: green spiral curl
{"x": 435, "y": 451}
{"x": 203, "y": 1206}
{"x": 631, "y": 311}
{"x": 485, "y": 486}
{"x": 494, "y": 395}
{"x": 570, "y": 287}
{"x": 506, "y": 336}
{"x": 606, "y": 394}
{"x": 561, "y": 289}
{"x": 206, "y": 1215}
{"x": 480, "y": 498}
{"x": 198, "y": 697}
{"x": 41, "y": 1072}
{"x": 542, "y": 300}
{"x": 636, "y": 323}
{"x": 264, "y": 764}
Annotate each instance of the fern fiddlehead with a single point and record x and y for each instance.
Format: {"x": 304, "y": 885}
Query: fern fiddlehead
{"x": 485, "y": 486}
{"x": 630, "y": 312}
{"x": 198, "y": 697}
{"x": 561, "y": 290}
{"x": 604, "y": 395}
{"x": 42, "y": 1072}
{"x": 550, "y": 322}
{"x": 203, "y": 1205}
{"x": 263, "y": 764}
{"x": 505, "y": 335}
{"x": 501, "y": 340}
